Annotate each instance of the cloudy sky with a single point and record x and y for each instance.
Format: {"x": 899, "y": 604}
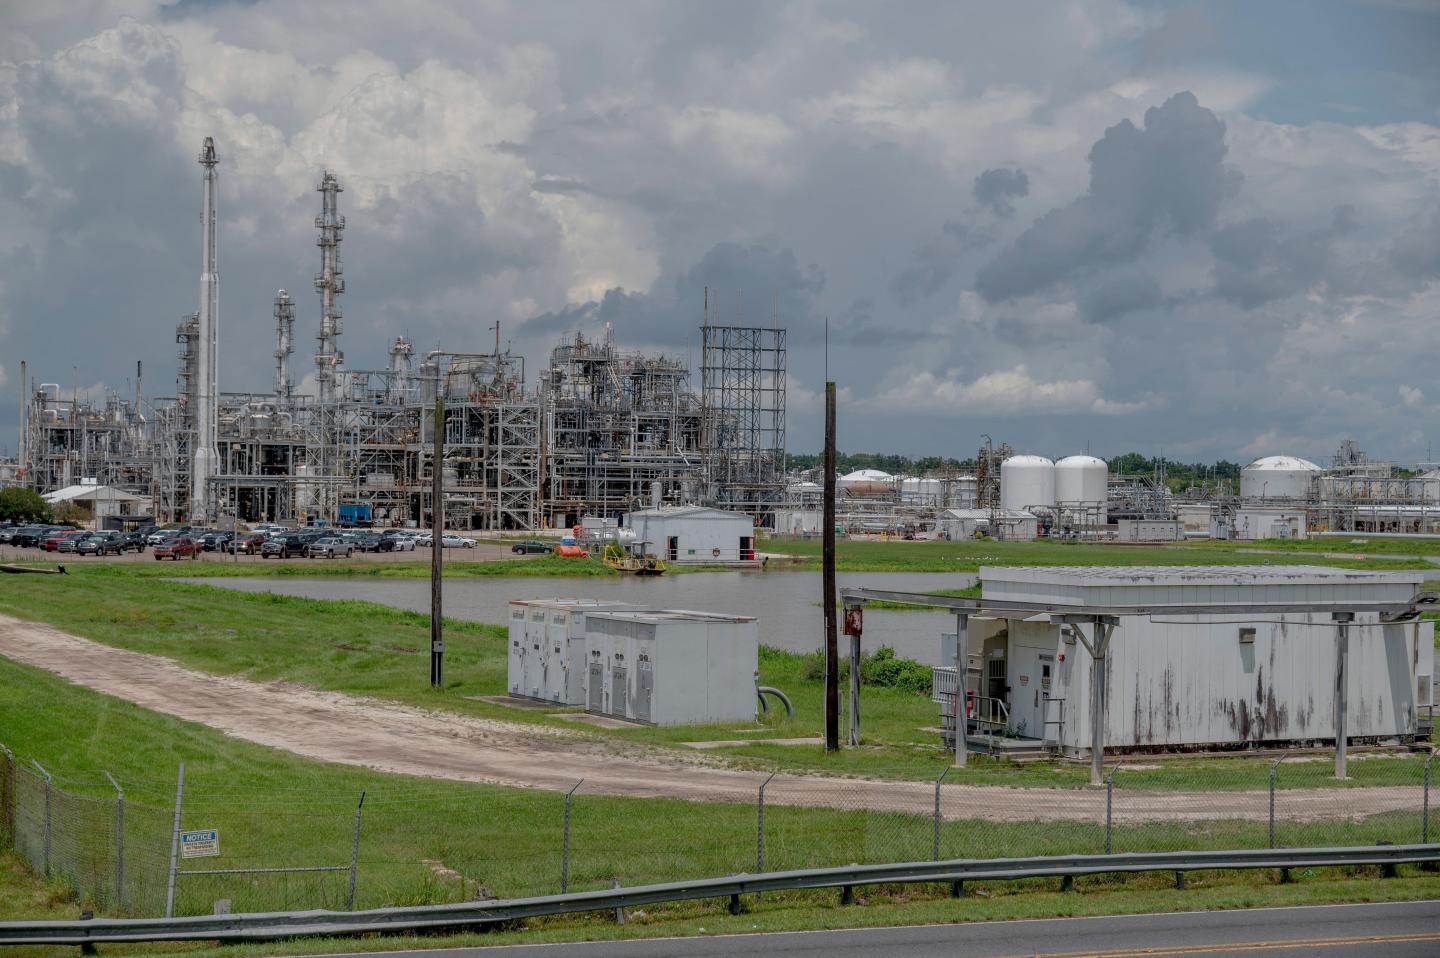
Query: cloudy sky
{"x": 1203, "y": 231}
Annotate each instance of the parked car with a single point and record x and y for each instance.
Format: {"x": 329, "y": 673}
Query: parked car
{"x": 53, "y": 540}
{"x": 531, "y": 547}
{"x": 286, "y": 547}
{"x": 395, "y": 544}
{"x": 248, "y": 543}
{"x": 178, "y": 547}
{"x": 30, "y": 537}
{"x": 160, "y": 535}
{"x": 100, "y": 544}
{"x": 133, "y": 541}
{"x": 329, "y": 547}
{"x": 212, "y": 541}
{"x": 366, "y": 541}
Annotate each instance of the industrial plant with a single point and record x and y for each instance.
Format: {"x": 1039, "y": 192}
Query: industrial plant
{"x": 599, "y": 431}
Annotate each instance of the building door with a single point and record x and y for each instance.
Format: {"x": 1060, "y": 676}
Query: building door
{"x": 1032, "y": 670}
{"x": 672, "y": 548}
{"x": 747, "y": 548}
{"x": 618, "y": 687}
{"x": 597, "y": 687}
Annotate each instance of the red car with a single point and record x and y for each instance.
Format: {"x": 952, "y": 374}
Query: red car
{"x": 177, "y": 547}
{"x": 52, "y": 541}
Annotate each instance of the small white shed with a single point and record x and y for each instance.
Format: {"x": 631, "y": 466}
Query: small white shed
{"x": 957, "y": 524}
{"x": 695, "y": 534}
{"x": 671, "y": 667}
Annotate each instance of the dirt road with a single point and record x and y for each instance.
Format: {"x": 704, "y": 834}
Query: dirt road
{"x": 335, "y": 727}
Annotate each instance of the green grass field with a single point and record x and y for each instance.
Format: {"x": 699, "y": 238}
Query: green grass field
{"x": 370, "y": 649}
{"x": 432, "y": 841}
{"x": 871, "y": 555}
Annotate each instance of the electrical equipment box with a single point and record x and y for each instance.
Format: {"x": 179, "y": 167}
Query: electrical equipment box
{"x": 547, "y": 648}
{"x": 671, "y": 667}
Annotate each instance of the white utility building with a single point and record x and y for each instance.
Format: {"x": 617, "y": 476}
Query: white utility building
{"x": 671, "y": 667}
{"x": 958, "y": 524}
{"x": 547, "y": 648}
{"x": 1266, "y": 677}
{"x": 98, "y": 501}
{"x": 695, "y": 534}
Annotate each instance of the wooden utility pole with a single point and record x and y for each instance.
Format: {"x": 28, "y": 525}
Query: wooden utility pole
{"x": 437, "y": 545}
{"x": 832, "y": 642}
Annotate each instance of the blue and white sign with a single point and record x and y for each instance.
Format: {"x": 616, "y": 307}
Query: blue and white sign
{"x": 201, "y": 844}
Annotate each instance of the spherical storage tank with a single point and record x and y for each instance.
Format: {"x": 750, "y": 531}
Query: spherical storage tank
{"x": 1277, "y": 477}
{"x": 1027, "y": 481}
{"x": 1082, "y": 479}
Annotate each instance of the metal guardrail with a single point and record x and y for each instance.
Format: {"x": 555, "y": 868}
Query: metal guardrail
{"x": 271, "y": 925}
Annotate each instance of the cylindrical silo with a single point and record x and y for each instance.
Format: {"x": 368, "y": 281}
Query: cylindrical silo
{"x": 1027, "y": 481}
{"x": 1082, "y": 481}
{"x": 1278, "y": 477}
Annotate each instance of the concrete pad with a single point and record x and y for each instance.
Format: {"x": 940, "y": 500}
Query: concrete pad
{"x": 599, "y": 721}
{"x": 512, "y": 701}
{"x": 733, "y": 743}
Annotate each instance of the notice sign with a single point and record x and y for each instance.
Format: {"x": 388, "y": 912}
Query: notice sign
{"x": 200, "y": 844}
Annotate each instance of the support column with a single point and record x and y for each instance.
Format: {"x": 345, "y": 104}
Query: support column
{"x": 962, "y": 648}
{"x": 854, "y": 628}
{"x": 1342, "y": 656}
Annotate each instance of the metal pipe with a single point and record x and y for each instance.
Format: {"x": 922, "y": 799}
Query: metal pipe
{"x": 1342, "y": 656}
{"x": 760, "y": 827}
{"x": 355, "y": 854}
{"x": 204, "y": 457}
{"x": 962, "y": 651}
{"x": 175, "y": 844}
{"x": 119, "y": 842}
{"x": 565, "y": 841}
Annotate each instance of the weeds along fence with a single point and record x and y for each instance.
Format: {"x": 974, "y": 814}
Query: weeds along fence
{"x": 279, "y": 848}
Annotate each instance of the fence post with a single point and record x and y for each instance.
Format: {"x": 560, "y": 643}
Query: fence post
{"x": 565, "y": 841}
{"x": 1109, "y": 808}
{"x": 1425, "y": 808}
{"x": 1273, "y": 766}
{"x": 48, "y": 786}
{"x": 9, "y": 809}
{"x": 355, "y": 854}
{"x": 760, "y": 827}
{"x": 119, "y": 842}
{"x": 937, "y": 811}
{"x": 175, "y": 844}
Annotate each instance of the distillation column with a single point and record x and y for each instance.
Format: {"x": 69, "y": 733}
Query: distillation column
{"x": 330, "y": 284}
{"x": 284, "y": 348}
{"x": 206, "y": 457}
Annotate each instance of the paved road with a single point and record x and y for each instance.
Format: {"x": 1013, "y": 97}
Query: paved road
{"x": 1394, "y": 930}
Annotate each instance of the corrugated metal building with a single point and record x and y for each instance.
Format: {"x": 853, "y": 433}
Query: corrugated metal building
{"x": 696, "y": 534}
{"x": 1186, "y": 681}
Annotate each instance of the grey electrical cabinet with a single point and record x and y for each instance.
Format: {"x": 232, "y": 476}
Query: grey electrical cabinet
{"x": 547, "y": 648}
{"x": 671, "y": 667}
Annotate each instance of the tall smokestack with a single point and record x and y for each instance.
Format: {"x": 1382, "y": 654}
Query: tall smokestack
{"x": 22, "y": 454}
{"x": 330, "y": 285}
{"x": 284, "y": 344}
{"x": 206, "y": 394}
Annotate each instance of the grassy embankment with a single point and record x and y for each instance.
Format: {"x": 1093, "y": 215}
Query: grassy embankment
{"x": 873, "y": 555}
{"x": 369, "y": 649}
{"x": 426, "y": 840}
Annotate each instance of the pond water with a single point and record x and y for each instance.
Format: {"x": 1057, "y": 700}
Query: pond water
{"x": 786, "y": 603}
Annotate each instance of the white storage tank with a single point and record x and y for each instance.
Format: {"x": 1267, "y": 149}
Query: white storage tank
{"x": 671, "y": 667}
{"x": 1027, "y": 481}
{"x": 1083, "y": 480}
{"x": 1278, "y": 477}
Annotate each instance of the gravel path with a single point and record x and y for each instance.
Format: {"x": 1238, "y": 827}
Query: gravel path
{"x": 336, "y": 727}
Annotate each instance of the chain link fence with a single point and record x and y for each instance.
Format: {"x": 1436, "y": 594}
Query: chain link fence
{"x": 279, "y": 849}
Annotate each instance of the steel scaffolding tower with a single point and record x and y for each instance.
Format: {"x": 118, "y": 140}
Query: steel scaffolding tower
{"x": 742, "y": 373}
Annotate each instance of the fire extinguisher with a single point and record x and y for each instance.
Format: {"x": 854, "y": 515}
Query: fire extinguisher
{"x": 969, "y": 703}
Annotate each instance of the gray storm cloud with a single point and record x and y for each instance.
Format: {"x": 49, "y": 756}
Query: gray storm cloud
{"x": 1168, "y": 175}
